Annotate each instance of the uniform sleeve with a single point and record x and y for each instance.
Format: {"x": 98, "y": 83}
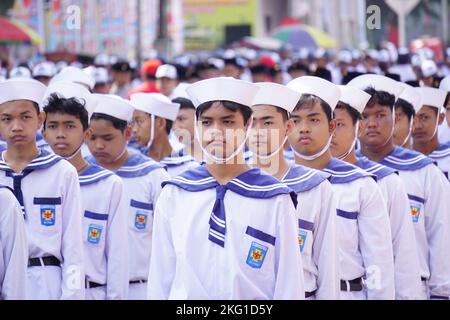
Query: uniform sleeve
{"x": 289, "y": 283}
{"x": 14, "y": 249}
{"x": 73, "y": 274}
{"x": 325, "y": 249}
{"x": 163, "y": 261}
{"x": 375, "y": 243}
{"x": 437, "y": 226}
{"x": 117, "y": 245}
{"x": 406, "y": 259}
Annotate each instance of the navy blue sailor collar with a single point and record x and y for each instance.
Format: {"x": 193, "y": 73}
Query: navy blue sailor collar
{"x": 343, "y": 172}
{"x": 137, "y": 165}
{"x": 93, "y": 174}
{"x": 251, "y": 184}
{"x": 379, "y": 170}
{"x": 177, "y": 159}
{"x": 442, "y": 152}
{"x": 44, "y": 160}
{"x": 302, "y": 179}
{"x": 406, "y": 159}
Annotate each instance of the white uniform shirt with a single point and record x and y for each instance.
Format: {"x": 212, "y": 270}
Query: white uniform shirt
{"x": 13, "y": 248}
{"x": 365, "y": 243}
{"x": 444, "y": 132}
{"x": 427, "y": 190}
{"x": 316, "y": 214}
{"x": 105, "y": 234}
{"x": 142, "y": 178}
{"x": 49, "y": 194}
{"x": 442, "y": 158}
{"x": 260, "y": 258}
{"x": 406, "y": 259}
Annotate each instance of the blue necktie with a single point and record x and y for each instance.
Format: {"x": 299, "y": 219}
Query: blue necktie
{"x": 217, "y": 222}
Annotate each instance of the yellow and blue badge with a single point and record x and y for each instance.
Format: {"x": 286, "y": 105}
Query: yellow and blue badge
{"x": 140, "y": 220}
{"x": 94, "y": 233}
{"x": 415, "y": 212}
{"x": 256, "y": 255}
{"x": 302, "y": 239}
{"x": 48, "y": 215}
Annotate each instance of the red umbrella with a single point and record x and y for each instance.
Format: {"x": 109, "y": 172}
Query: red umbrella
{"x": 9, "y": 32}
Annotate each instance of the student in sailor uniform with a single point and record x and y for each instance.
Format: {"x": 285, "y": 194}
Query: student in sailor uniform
{"x": 444, "y": 128}
{"x": 13, "y": 248}
{"x": 104, "y": 220}
{"x": 348, "y": 125}
{"x": 141, "y": 176}
{"x": 47, "y": 189}
{"x": 406, "y": 107}
{"x": 425, "y": 128}
{"x": 316, "y": 210}
{"x": 425, "y": 184}
{"x": 152, "y": 124}
{"x": 223, "y": 230}
{"x": 365, "y": 245}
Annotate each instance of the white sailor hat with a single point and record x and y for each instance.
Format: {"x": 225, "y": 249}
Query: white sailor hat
{"x": 379, "y": 83}
{"x": 428, "y": 68}
{"x": 21, "y": 89}
{"x": 445, "y": 84}
{"x": 69, "y": 90}
{"x": 411, "y": 96}
{"x": 354, "y": 97}
{"x": 114, "y": 106}
{"x": 345, "y": 56}
{"x": 156, "y": 104}
{"x": 325, "y": 90}
{"x": 19, "y": 72}
{"x": 73, "y": 74}
{"x": 101, "y": 59}
{"x": 44, "y": 69}
{"x": 166, "y": 71}
{"x": 222, "y": 89}
{"x": 277, "y": 95}
{"x": 180, "y": 91}
{"x": 99, "y": 74}
{"x": 432, "y": 97}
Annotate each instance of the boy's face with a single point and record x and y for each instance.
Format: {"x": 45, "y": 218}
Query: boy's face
{"x": 141, "y": 126}
{"x": 311, "y": 129}
{"x": 269, "y": 130}
{"x": 64, "y": 133}
{"x": 19, "y": 122}
{"x": 424, "y": 124}
{"x": 345, "y": 132}
{"x": 377, "y": 121}
{"x": 402, "y": 125}
{"x": 166, "y": 85}
{"x": 183, "y": 126}
{"x": 221, "y": 130}
{"x": 447, "y": 112}
{"x": 105, "y": 142}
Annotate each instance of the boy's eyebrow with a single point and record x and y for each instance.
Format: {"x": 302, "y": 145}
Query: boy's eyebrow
{"x": 315, "y": 114}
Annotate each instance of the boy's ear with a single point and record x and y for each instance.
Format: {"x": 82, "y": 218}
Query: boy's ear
{"x": 362, "y": 125}
{"x": 332, "y": 126}
{"x": 127, "y": 132}
{"x": 441, "y": 118}
{"x": 289, "y": 127}
{"x": 88, "y": 134}
{"x": 41, "y": 118}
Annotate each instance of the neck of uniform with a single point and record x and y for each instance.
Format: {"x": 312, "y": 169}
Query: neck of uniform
{"x": 226, "y": 172}
{"x": 351, "y": 157}
{"x": 18, "y": 158}
{"x": 160, "y": 149}
{"x": 427, "y": 147}
{"x": 276, "y": 165}
{"x": 115, "y": 165}
{"x": 78, "y": 162}
{"x": 320, "y": 163}
{"x": 378, "y": 153}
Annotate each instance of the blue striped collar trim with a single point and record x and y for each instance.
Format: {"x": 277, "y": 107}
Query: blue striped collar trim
{"x": 176, "y": 160}
{"x": 44, "y": 160}
{"x": 442, "y": 152}
{"x": 405, "y": 159}
{"x": 137, "y": 165}
{"x": 252, "y": 184}
{"x": 93, "y": 174}
{"x": 372, "y": 167}
{"x": 343, "y": 172}
{"x": 302, "y": 179}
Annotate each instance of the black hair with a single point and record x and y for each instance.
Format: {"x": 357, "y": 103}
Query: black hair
{"x": 229, "y": 105}
{"x": 36, "y": 106}
{"x": 354, "y": 114}
{"x": 73, "y": 106}
{"x": 447, "y": 98}
{"x": 380, "y": 97}
{"x": 169, "y": 124}
{"x": 284, "y": 113}
{"x": 406, "y": 107}
{"x": 310, "y": 100}
{"x": 184, "y": 103}
{"x": 118, "y": 124}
